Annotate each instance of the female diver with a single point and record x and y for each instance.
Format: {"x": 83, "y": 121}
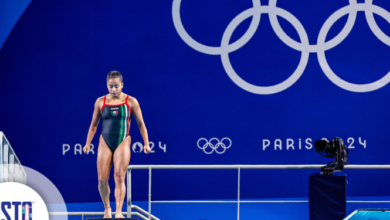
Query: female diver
{"x": 115, "y": 109}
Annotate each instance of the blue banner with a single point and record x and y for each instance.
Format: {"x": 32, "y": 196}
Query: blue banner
{"x": 218, "y": 82}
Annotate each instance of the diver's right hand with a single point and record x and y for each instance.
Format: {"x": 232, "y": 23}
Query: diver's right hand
{"x": 86, "y": 148}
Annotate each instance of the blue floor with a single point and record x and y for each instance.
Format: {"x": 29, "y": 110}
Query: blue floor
{"x": 269, "y": 211}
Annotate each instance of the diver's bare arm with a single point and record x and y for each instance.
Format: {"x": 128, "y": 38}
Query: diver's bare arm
{"x": 140, "y": 121}
{"x": 95, "y": 122}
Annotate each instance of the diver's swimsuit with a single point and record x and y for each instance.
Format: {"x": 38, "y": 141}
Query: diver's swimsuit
{"x": 116, "y": 123}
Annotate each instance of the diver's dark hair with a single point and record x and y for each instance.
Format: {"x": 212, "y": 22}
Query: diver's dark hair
{"x": 114, "y": 74}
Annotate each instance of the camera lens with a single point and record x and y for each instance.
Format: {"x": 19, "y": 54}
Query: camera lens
{"x": 320, "y": 146}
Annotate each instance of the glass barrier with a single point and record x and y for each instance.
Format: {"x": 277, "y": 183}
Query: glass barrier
{"x": 11, "y": 170}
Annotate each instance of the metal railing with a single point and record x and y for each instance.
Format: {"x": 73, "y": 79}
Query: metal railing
{"x": 238, "y": 167}
{"x": 141, "y": 214}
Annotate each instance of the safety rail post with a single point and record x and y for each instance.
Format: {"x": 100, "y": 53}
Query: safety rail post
{"x": 238, "y": 199}
{"x": 129, "y": 193}
{"x": 150, "y": 193}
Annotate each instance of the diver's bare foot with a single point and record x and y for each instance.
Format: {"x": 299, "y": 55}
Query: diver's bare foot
{"x": 119, "y": 215}
{"x": 107, "y": 213}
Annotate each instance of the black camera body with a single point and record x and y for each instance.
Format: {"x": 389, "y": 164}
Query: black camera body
{"x": 332, "y": 149}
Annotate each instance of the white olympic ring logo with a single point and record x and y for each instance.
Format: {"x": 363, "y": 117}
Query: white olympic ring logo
{"x": 214, "y": 147}
{"x": 304, "y": 47}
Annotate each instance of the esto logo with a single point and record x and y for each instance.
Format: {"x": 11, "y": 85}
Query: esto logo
{"x": 23, "y": 209}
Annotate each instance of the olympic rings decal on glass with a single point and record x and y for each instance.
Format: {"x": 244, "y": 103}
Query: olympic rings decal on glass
{"x": 214, "y": 144}
{"x": 303, "y": 46}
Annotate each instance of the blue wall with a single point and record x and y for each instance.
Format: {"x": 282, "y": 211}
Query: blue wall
{"x": 54, "y": 63}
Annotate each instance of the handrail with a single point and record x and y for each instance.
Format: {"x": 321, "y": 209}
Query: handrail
{"x": 312, "y": 166}
{"x": 222, "y": 201}
{"x": 82, "y": 214}
{"x": 143, "y": 212}
{"x": 257, "y": 201}
{"x": 239, "y": 167}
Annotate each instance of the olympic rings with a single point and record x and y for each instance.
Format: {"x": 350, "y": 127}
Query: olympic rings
{"x": 303, "y": 46}
{"x": 214, "y": 146}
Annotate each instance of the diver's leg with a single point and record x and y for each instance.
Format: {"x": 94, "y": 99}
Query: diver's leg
{"x": 121, "y": 162}
{"x": 104, "y": 162}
